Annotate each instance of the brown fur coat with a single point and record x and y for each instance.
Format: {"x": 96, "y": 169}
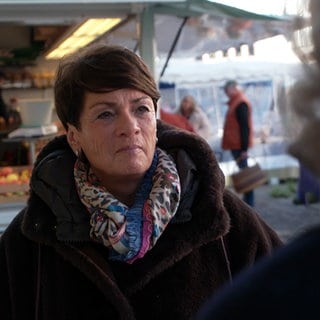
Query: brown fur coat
{"x": 49, "y": 268}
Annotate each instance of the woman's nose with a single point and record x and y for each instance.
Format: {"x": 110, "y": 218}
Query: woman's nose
{"x": 127, "y": 124}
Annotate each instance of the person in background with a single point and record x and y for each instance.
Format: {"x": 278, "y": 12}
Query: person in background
{"x": 196, "y": 116}
{"x": 176, "y": 120}
{"x": 128, "y": 218}
{"x": 285, "y": 285}
{"x": 14, "y": 116}
{"x": 3, "y": 105}
{"x": 238, "y": 129}
{"x": 13, "y": 153}
{"x": 308, "y": 187}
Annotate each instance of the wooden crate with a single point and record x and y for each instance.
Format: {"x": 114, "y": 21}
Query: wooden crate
{"x": 15, "y": 187}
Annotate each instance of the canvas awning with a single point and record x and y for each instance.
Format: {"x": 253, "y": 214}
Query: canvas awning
{"x": 208, "y": 27}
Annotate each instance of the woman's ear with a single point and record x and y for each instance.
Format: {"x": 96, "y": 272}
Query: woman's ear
{"x": 73, "y": 138}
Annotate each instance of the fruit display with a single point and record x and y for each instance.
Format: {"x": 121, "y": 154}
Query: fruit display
{"x": 14, "y": 180}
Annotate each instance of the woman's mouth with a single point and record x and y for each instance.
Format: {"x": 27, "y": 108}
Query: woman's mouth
{"x": 129, "y": 149}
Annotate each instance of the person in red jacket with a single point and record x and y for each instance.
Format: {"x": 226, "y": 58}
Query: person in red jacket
{"x": 176, "y": 120}
{"x": 238, "y": 129}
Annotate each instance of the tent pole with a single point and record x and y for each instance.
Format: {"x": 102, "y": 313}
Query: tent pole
{"x": 147, "y": 37}
{"x": 174, "y": 43}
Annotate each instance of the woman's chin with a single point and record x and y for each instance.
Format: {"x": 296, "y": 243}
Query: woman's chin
{"x": 133, "y": 169}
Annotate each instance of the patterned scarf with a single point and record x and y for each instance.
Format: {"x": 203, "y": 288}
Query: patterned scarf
{"x": 130, "y": 232}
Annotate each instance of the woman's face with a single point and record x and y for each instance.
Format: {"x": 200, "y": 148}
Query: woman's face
{"x": 117, "y": 133}
{"x": 187, "y": 106}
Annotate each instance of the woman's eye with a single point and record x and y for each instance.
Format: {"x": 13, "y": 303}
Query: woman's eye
{"x": 143, "y": 109}
{"x": 105, "y": 115}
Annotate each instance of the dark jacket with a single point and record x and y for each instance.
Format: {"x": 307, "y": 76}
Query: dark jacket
{"x": 3, "y": 108}
{"x": 49, "y": 268}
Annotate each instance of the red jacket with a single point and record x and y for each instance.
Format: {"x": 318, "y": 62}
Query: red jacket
{"x": 231, "y": 139}
{"x": 177, "y": 120}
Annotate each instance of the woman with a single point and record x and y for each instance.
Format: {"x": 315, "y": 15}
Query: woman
{"x": 128, "y": 218}
{"x": 193, "y": 113}
{"x": 176, "y": 120}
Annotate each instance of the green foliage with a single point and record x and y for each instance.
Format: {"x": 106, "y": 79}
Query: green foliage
{"x": 284, "y": 190}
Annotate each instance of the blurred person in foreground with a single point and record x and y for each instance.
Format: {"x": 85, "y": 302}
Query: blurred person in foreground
{"x": 238, "y": 129}
{"x": 128, "y": 218}
{"x": 199, "y": 121}
{"x": 286, "y": 285}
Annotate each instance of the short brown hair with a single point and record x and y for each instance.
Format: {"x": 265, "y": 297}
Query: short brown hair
{"x": 98, "y": 68}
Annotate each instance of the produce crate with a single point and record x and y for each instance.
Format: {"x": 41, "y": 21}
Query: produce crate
{"x": 14, "y": 180}
{"x": 12, "y": 199}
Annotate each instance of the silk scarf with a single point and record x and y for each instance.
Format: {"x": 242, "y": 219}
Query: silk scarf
{"x": 129, "y": 232}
